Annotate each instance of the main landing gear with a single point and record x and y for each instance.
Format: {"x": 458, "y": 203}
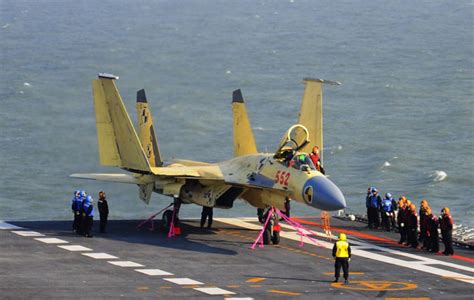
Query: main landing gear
{"x": 172, "y": 216}
{"x": 272, "y": 229}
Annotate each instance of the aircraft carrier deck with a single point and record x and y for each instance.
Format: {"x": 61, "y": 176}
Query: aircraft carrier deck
{"x": 44, "y": 259}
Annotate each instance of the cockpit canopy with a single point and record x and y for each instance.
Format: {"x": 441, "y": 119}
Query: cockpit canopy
{"x": 294, "y": 139}
{"x": 302, "y": 161}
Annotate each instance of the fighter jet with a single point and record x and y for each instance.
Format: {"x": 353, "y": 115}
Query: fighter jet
{"x": 263, "y": 180}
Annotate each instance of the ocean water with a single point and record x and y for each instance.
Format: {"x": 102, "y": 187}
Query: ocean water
{"x": 402, "y": 120}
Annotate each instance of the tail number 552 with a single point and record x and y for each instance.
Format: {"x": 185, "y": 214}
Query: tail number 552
{"x": 282, "y": 177}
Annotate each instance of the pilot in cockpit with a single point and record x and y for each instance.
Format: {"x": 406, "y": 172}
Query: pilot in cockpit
{"x": 301, "y": 160}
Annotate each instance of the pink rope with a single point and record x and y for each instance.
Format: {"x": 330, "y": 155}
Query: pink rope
{"x": 299, "y": 228}
{"x": 150, "y": 219}
{"x": 260, "y": 236}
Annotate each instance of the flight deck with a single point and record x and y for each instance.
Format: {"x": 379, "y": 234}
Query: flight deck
{"x": 44, "y": 259}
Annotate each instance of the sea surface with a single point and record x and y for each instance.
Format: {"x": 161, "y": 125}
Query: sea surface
{"x": 402, "y": 120}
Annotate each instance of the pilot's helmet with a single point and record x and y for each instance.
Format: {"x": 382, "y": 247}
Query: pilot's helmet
{"x": 302, "y": 158}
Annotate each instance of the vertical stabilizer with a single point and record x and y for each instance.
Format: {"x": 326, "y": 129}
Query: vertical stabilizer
{"x": 311, "y": 113}
{"x": 146, "y": 131}
{"x": 244, "y": 141}
{"x": 117, "y": 139}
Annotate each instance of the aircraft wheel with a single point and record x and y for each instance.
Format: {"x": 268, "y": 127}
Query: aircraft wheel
{"x": 167, "y": 217}
{"x": 266, "y": 236}
{"x": 276, "y": 237}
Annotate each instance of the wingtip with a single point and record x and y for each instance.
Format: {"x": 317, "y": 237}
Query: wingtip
{"x": 237, "y": 96}
{"x": 141, "y": 96}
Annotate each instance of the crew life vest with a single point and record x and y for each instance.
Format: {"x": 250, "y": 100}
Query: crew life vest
{"x": 342, "y": 249}
{"x": 88, "y": 208}
{"x": 76, "y": 204}
{"x": 374, "y": 201}
{"x": 387, "y": 205}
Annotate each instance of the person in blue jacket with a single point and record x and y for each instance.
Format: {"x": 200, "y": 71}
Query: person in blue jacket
{"x": 88, "y": 216}
{"x": 75, "y": 206}
{"x": 373, "y": 204}
{"x": 387, "y": 211}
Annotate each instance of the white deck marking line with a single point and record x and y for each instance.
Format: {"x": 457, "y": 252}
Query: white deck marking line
{"x": 8, "y": 226}
{"x": 125, "y": 263}
{"x": 28, "y": 233}
{"x": 419, "y": 265}
{"x": 183, "y": 281}
{"x": 214, "y": 291}
{"x": 244, "y": 298}
{"x": 75, "y": 248}
{"x": 51, "y": 241}
{"x": 154, "y": 272}
{"x": 97, "y": 255}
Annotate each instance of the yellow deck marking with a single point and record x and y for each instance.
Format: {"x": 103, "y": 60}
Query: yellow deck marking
{"x": 284, "y": 292}
{"x": 256, "y": 286}
{"x": 373, "y": 285}
{"x": 422, "y": 298}
{"x": 143, "y": 288}
{"x": 165, "y": 287}
{"x": 350, "y": 273}
{"x": 256, "y": 279}
{"x": 233, "y": 286}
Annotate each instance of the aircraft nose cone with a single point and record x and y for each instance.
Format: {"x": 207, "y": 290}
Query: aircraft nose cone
{"x": 322, "y": 193}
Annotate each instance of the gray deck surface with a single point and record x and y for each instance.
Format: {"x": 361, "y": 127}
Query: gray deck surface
{"x": 219, "y": 258}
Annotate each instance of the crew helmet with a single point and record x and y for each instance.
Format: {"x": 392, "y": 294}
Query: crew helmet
{"x": 342, "y": 236}
{"x": 388, "y": 195}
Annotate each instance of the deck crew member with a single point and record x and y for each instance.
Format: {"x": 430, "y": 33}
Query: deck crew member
{"x": 103, "y": 211}
{"x": 206, "y": 212}
{"x": 80, "y": 200}
{"x": 314, "y": 155}
{"x": 432, "y": 224}
{"x": 395, "y": 212}
{"x": 412, "y": 226}
{"x": 446, "y": 223}
{"x": 287, "y": 207}
{"x": 387, "y": 211}
{"x": 373, "y": 203}
{"x": 423, "y": 238}
{"x": 341, "y": 251}
{"x": 402, "y": 219}
{"x": 75, "y": 206}
{"x": 88, "y": 215}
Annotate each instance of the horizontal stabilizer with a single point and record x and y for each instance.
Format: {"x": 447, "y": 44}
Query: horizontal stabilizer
{"x": 123, "y": 178}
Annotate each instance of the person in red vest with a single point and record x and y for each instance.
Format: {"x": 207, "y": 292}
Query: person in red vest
{"x": 446, "y": 223}
{"x": 314, "y": 155}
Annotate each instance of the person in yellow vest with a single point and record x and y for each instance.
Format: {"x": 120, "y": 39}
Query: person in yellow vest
{"x": 342, "y": 253}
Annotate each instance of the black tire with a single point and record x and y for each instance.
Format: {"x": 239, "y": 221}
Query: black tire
{"x": 167, "y": 217}
{"x": 276, "y": 237}
{"x": 266, "y": 236}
